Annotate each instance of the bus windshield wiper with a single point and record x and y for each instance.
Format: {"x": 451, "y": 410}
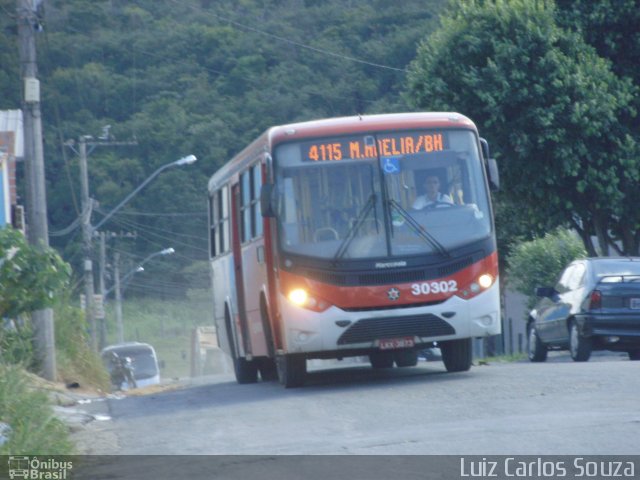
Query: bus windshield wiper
{"x": 362, "y": 215}
{"x": 419, "y": 229}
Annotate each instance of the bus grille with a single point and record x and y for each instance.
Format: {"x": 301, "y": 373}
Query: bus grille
{"x": 370, "y": 329}
{"x": 385, "y": 278}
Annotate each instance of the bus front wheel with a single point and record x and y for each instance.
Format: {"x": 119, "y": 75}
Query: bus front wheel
{"x": 292, "y": 368}
{"x": 457, "y": 355}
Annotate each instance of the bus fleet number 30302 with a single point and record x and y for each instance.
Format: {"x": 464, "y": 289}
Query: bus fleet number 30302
{"x": 432, "y": 288}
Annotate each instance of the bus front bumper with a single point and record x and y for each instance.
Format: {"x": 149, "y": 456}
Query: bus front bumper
{"x": 336, "y": 332}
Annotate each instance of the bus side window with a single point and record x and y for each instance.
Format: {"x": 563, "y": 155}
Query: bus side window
{"x": 255, "y": 199}
{"x": 213, "y": 220}
{"x": 245, "y": 207}
{"x": 224, "y": 220}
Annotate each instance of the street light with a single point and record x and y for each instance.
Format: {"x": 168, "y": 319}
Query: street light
{"x": 88, "y": 230}
{"x": 119, "y": 281}
{"x": 188, "y": 160}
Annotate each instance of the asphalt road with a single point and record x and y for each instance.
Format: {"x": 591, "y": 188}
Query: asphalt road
{"x": 555, "y": 408}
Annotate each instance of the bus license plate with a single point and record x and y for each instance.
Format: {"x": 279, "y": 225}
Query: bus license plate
{"x": 394, "y": 343}
{"x": 635, "y": 303}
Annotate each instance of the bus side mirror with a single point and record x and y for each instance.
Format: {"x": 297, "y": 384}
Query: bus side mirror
{"x": 268, "y": 200}
{"x": 494, "y": 174}
{"x": 492, "y": 166}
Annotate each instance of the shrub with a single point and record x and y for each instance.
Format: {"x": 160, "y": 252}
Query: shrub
{"x": 539, "y": 262}
{"x": 75, "y": 358}
{"x": 34, "y": 430}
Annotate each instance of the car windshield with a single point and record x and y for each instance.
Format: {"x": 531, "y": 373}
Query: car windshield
{"x": 395, "y": 194}
{"x": 142, "y": 359}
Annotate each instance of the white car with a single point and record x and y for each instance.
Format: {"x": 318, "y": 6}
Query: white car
{"x": 143, "y": 358}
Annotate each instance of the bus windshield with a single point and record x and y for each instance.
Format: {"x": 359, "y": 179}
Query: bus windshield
{"x": 381, "y": 194}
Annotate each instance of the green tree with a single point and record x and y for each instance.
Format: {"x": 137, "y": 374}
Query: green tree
{"x": 30, "y": 277}
{"x": 611, "y": 27}
{"x": 551, "y": 107}
{"x": 538, "y": 262}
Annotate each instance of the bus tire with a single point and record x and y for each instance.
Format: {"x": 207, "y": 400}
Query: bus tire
{"x": 246, "y": 371}
{"x": 292, "y": 369}
{"x": 381, "y": 359}
{"x": 268, "y": 370}
{"x": 457, "y": 355}
{"x": 406, "y": 358}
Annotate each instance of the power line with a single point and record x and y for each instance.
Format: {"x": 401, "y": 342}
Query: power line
{"x": 292, "y": 42}
{"x": 135, "y": 225}
{"x": 250, "y": 78}
{"x": 165, "y": 238}
{"x": 158, "y": 214}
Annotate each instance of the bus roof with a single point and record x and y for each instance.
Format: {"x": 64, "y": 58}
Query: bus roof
{"x": 336, "y": 126}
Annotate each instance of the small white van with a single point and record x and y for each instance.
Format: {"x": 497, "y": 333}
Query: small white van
{"x": 143, "y": 358}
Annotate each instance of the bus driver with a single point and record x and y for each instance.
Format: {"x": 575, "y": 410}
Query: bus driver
{"x": 432, "y": 197}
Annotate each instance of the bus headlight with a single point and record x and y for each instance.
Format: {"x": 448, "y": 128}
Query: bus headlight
{"x": 301, "y": 298}
{"x": 298, "y": 296}
{"x": 485, "y": 281}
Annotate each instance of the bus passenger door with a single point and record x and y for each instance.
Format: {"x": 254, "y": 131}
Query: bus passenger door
{"x": 241, "y": 320}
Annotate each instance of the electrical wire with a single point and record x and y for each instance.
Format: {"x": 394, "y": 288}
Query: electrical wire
{"x": 165, "y": 238}
{"x": 134, "y": 225}
{"x": 158, "y": 214}
{"x": 289, "y": 41}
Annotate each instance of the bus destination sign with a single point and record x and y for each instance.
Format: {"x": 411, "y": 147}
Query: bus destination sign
{"x": 368, "y": 148}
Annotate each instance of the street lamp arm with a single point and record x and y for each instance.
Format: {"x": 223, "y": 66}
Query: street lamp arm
{"x": 189, "y": 159}
{"x": 140, "y": 268}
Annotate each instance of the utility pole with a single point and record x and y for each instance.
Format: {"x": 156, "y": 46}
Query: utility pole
{"x": 87, "y": 234}
{"x": 38, "y": 234}
{"x": 98, "y": 336}
{"x": 116, "y": 278}
{"x": 102, "y": 338}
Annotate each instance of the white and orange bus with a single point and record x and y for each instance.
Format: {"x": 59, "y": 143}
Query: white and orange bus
{"x": 321, "y": 247}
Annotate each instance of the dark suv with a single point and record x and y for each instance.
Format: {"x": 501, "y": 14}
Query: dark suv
{"x": 594, "y": 306}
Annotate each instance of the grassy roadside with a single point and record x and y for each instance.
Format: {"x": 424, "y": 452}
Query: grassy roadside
{"x": 28, "y": 413}
{"x": 28, "y": 425}
{"x": 508, "y": 358}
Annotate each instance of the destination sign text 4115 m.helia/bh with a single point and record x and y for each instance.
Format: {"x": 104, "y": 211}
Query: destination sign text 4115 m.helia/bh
{"x": 367, "y": 147}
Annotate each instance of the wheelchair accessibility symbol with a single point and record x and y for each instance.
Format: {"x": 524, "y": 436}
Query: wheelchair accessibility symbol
{"x": 390, "y": 165}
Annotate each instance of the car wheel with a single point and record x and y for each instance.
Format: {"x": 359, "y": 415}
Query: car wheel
{"x": 457, "y": 355}
{"x": 634, "y": 354}
{"x": 381, "y": 359}
{"x": 579, "y": 345}
{"x": 406, "y": 358}
{"x": 536, "y": 350}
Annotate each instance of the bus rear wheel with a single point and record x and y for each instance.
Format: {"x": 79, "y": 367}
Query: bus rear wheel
{"x": 246, "y": 370}
{"x": 457, "y": 355}
{"x": 268, "y": 370}
{"x": 292, "y": 368}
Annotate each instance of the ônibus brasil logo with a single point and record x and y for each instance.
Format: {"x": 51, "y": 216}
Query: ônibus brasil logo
{"x": 37, "y": 469}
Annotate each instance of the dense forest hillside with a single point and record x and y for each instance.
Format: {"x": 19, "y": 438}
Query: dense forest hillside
{"x": 194, "y": 77}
